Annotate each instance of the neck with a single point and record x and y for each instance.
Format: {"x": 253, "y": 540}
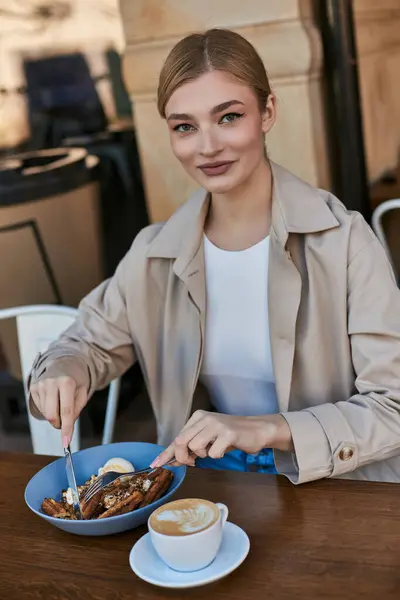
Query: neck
{"x": 242, "y": 217}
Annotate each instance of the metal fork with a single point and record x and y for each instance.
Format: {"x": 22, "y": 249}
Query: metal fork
{"x": 103, "y": 480}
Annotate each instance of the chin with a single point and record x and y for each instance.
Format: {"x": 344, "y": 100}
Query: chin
{"x": 219, "y": 185}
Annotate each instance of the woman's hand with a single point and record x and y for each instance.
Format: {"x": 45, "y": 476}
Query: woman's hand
{"x": 212, "y": 434}
{"x": 60, "y": 400}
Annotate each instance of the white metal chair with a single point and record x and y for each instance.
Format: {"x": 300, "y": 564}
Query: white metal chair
{"x": 376, "y": 222}
{"x": 37, "y": 327}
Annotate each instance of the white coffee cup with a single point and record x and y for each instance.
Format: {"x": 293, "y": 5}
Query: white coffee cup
{"x": 190, "y": 550}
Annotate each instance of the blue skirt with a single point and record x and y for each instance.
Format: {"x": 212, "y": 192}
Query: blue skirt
{"x": 237, "y": 460}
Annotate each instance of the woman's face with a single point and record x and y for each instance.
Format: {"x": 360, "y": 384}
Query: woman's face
{"x": 217, "y": 130}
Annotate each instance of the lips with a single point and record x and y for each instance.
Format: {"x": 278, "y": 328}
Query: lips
{"x": 217, "y": 168}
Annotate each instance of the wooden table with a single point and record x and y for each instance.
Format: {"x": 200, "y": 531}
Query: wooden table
{"x": 326, "y": 540}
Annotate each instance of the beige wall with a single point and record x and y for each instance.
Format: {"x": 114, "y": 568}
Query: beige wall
{"x": 378, "y": 43}
{"x": 285, "y": 35}
{"x": 88, "y": 26}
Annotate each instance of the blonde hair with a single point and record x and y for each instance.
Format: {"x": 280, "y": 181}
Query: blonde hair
{"x": 213, "y": 50}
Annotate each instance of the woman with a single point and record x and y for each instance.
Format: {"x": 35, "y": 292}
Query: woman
{"x": 264, "y": 291}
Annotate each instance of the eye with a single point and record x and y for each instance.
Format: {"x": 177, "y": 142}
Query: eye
{"x": 184, "y": 128}
{"x": 231, "y": 117}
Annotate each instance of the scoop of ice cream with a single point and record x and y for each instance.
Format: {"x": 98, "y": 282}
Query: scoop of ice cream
{"x": 120, "y": 465}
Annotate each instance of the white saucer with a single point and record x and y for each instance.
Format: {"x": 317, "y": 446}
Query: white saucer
{"x": 148, "y": 566}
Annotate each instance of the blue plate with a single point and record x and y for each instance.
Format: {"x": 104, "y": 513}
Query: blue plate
{"x": 49, "y": 482}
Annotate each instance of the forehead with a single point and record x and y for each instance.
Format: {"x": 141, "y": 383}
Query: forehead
{"x": 207, "y": 91}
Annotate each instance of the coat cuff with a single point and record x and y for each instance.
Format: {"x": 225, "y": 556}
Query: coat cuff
{"x": 324, "y": 445}
{"x": 311, "y": 458}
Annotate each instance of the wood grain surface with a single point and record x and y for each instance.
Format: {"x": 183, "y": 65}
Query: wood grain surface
{"x": 326, "y": 540}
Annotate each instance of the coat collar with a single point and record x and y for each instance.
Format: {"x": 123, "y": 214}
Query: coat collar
{"x": 297, "y": 207}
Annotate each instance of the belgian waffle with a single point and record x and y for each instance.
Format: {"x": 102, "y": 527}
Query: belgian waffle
{"x": 121, "y": 496}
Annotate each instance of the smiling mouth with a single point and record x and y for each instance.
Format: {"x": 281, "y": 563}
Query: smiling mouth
{"x": 217, "y": 168}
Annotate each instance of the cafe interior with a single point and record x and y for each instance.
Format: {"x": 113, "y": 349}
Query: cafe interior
{"x": 77, "y": 172}
{"x": 85, "y": 164}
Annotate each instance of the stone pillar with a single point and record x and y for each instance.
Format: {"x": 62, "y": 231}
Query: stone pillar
{"x": 378, "y": 46}
{"x": 285, "y": 35}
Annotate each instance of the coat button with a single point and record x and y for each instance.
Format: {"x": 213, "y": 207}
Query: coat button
{"x": 346, "y": 453}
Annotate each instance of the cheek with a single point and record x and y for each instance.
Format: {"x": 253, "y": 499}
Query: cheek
{"x": 183, "y": 149}
{"x": 249, "y": 137}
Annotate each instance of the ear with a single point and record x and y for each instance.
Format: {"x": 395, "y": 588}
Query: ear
{"x": 269, "y": 115}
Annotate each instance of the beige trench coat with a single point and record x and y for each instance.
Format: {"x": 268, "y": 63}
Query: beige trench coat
{"x": 334, "y": 313}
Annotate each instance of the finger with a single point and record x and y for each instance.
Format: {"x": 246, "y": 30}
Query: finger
{"x": 67, "y": 388}
{"x": 191, "y": 461}
{"x": 170, "y": 452}
{"x": 182, "y": 442}
{"x": 80, "y": 401}
{"x": 165, "y": 456}
{"x": 41, "y": 395}
{"x": 201, "y": 442}
{"x": 34, "y": 394}
{"x": 220, "y": 447}
{"x": 51, "y": 409}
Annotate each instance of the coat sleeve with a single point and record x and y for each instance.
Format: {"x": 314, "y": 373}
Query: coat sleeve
{"x": 334, "y": 439}
{"x": 98, "y": 346}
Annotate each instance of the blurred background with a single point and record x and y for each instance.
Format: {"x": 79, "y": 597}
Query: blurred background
{"x": 85, "y": 160}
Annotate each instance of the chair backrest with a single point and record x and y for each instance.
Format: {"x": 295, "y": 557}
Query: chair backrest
{"x": 37, "y": 327}
{"x": 377, "y": 226}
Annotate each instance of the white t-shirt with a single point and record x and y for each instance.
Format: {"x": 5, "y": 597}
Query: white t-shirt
{"x": 237, "y": 366}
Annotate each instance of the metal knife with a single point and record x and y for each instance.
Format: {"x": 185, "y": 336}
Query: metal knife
{"x": 69, "y": 467}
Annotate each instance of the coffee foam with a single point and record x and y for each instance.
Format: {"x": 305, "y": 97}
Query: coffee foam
{"x": 184, "y": 517}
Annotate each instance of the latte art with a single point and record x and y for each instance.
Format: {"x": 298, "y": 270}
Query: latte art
{"x": 184, "y": 517}
{"x": 189, "y": 520}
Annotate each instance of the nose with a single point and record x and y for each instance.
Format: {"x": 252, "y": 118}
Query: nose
{"x": 210, "y": 144}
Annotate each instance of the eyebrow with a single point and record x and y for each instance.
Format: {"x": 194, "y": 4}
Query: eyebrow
{"x": 214, "y": 111}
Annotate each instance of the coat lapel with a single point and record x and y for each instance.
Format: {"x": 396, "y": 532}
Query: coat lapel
{"x": 181, "y": 240}
{"x": 284, "y": 293}
{"x": 296, "y": 208}
{"x": 193, "y": 277}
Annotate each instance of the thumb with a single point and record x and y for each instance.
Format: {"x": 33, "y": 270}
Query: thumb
{"x": 164, "y": 457}
{"x": 168, "y": 454}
